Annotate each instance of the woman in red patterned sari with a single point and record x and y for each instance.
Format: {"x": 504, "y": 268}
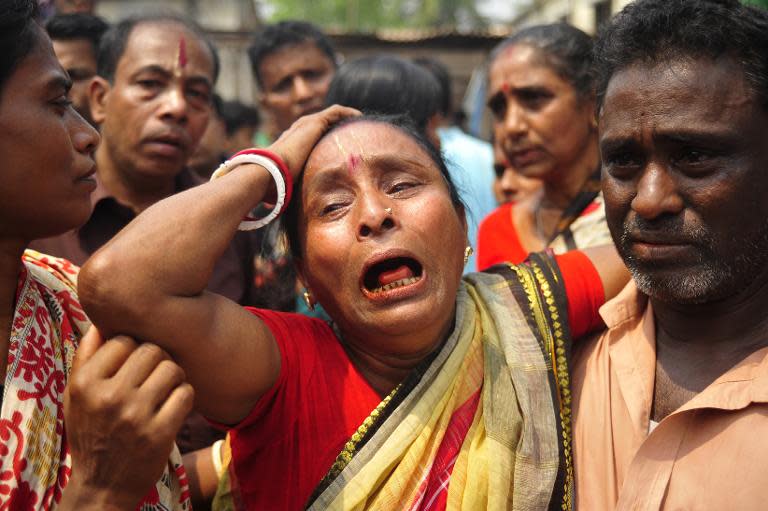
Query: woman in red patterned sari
{"x": 85, "y": 424}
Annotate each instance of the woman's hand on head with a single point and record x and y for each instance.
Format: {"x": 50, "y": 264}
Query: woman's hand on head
{"x": 295, "y": 144}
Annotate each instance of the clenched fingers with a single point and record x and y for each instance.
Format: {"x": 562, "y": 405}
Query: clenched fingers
{"x": 173, "y": 411}
{"x": 157, "y": 387}
{"x": 140, "y": 365}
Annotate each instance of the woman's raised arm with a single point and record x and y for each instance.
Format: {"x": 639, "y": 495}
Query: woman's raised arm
{"x": 149, "y": 281}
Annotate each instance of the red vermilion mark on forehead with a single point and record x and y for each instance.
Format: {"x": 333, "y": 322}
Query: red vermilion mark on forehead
{"x": 510, "y": 50}
{"x": 505, "y": 87}
{"x": 182, "y": 60}
{"x": 353, "y": 162}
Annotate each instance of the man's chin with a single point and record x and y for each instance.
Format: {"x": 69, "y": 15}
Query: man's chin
{"x": 691, "y": 286}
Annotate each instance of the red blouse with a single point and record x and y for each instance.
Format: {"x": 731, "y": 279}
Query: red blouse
{"x": 287, "y": 444}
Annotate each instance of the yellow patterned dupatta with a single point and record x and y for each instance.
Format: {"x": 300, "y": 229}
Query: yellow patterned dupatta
{"x": 486, "y": 423}
{"x": 48, "y": 324}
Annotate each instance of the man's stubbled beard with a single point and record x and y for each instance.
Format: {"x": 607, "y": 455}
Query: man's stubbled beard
{"x": 720, "y": 269}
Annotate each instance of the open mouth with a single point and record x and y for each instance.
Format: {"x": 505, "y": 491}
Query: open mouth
{"x": 391, "y": 274}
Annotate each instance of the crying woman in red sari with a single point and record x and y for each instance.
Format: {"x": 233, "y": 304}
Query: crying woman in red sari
{"x": 425, "y": 391}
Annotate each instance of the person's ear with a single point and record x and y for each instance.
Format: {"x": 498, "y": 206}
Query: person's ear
{"x": 590, "y": 111}
{"x": 98, "y": 96}
{"x": 304, "y": 290}
{"x": 462, "y": 212}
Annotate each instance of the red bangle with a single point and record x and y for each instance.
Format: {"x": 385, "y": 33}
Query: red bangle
{"x": 283, "y": 170}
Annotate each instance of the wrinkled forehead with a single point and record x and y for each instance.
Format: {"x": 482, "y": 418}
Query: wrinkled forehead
{"x": 519, "y": 56}
{"x": 690, "y": 90}
{"x": 168, "y": 44}
{"x": 362, "y": 141}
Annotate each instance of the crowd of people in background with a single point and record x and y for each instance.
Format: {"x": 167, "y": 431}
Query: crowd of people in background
{"x": 365, "y": 307}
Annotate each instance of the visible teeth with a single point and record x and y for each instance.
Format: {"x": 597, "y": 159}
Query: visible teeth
{"x": 396, "y": 284}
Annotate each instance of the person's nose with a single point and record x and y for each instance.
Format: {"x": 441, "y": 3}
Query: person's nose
{"x": 515, "y": 122}
{"x": 656, "y": 193}
{"x": 375, "y": 217}
{"x": 85, "y": 138}
{"x": 174, "y": 105}
{"x": 302, "y": 90}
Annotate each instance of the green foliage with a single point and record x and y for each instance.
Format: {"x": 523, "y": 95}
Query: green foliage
{"x": 759, "y": 3}
{"x": 368, "y": 15}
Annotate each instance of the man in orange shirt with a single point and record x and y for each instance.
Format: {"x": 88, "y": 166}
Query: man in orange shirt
{"x": 671, "y": 402}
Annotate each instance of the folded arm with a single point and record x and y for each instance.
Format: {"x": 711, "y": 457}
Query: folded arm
{"x": 149, "y": 281}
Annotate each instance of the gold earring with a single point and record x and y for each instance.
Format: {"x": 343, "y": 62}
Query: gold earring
{"x": 308, "y": 300}
{"x": 468, "y": 253}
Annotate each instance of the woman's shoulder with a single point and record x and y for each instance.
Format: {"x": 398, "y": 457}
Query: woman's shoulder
{"x": 290, "y": 327}
{"x": 55, "y": 280}
{"x": 52, "y": 272}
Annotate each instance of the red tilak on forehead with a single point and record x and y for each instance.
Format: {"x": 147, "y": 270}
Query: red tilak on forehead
{"x": 353, "y": 162}
{"x": 505, "y": 87}
{"x": 182, "y": 53}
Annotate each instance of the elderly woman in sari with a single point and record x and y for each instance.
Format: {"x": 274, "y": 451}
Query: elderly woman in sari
{"x": 541, "y": 93}
{"x": 424, "y": 392}
{"x": 105, "y": 441}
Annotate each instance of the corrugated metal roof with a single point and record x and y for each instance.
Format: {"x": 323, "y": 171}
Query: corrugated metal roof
{"x": 422, "y": 34}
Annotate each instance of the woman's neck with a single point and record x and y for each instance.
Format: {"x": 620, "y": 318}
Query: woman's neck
{"x": 565, "y": 185}
{"x": 559, "y": 191}
{"x": 384, "y": 369}
{"x": 383, "y": 373}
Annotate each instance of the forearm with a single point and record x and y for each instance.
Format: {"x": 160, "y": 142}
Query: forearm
{"x": 201, "y": 475}
{"x": 169, "y": 250}
{"x": 149, "y": 282}
{"x": 613, "y": 274}
{"x": 180, "y": 238}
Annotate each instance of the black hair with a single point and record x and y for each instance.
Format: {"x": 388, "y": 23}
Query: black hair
{"x": 17, "y": 34}
{"x": 563, "y": 47}
{"x": 277, "y": 36}
{"x": 443, "y": 77}
{"x": 236, "y": 115}
{"x": 652, "y": 31}
{"x": 389, "y": 85}
{"x": 114, "y": 41}
{"x": 402, "y": 123}
{"x": 77, "y": 26}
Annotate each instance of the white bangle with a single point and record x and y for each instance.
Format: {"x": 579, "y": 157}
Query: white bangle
{"x": 216, "y": 457}
{"x": 271, "y": 167}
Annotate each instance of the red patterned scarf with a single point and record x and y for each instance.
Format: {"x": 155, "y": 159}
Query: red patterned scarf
{"x": 48, "y": 324}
